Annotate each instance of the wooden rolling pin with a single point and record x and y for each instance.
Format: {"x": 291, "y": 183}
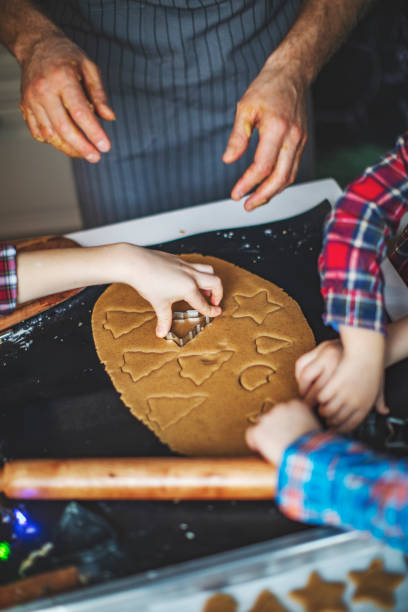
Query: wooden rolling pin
{"x": 139, "y": 478}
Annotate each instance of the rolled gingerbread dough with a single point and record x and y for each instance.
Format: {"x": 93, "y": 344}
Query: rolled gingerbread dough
{"x": 200, "y": 398}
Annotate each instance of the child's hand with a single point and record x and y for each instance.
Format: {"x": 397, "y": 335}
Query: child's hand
{"x": 163, "y": 279}
{"x": 279, "y": 428}
{"x": 314, "y": 369}
{"x": 159, "y": 277}
{"x": 345, "y": 379}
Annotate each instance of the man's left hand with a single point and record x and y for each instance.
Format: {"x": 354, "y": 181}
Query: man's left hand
{"x": 274, "y": 104}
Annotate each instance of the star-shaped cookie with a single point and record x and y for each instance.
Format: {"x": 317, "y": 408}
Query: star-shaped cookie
{"x": 257, "y": 307}
{"x": 320, "y": 596}
{"x": 376, "y": 585}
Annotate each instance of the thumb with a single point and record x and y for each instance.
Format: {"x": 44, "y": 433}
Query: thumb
{"x": 380, "y": 404}
{"x": 303, "y": 361}
{"x": 164, "y": 318}
{"x": 96, "y": 90}
{"x": 239, "y": 138}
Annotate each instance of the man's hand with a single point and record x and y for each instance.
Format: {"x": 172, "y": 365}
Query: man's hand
{"x": 60, "y": 89}
{"x": 279, "y": 428}
{"x": 274, "y": 104}
{"x": 345, "y": 378}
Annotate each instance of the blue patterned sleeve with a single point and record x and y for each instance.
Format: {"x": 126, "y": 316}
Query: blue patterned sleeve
{"x": 326, "y": 479}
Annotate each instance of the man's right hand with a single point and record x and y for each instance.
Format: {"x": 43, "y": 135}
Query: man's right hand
{"x": 61, "y": 87}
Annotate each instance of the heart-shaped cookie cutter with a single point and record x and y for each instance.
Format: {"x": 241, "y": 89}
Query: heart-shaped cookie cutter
{"x": 189, "y": 315}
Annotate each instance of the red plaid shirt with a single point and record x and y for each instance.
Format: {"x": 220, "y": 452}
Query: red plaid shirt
{"x": 355, "y": 238}
{"x": 8, "y": 279}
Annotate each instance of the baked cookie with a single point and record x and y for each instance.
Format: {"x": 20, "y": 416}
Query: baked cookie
{"x": 320, "y": 596}
{"x": 220, "y": 602}
{"x": 376, "y": 585}
{"x": 267, "y": 602}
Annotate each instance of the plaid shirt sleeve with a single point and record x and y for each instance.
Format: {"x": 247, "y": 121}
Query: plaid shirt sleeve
{"x": 399, "y": 255}
{"x": 8, "y": 279}
{"x": 355, "y": 239}
{"x": 325, "y": 479}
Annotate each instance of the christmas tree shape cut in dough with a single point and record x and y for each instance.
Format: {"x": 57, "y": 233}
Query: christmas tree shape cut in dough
{"x": 270, "y": 344}
{"x": 139, "y": 363}
{"x": 320, "y": 596}
{"x": 167, "y": 411}
{"x": 121, "y": 322}
{"x": 255, "y": 376}
{"x": 199, "y": 368}
{"x": 256, "y": 307}
{"x": 376, "y": 585}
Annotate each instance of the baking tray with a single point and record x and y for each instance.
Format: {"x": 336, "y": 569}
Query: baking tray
{"x": 279, "y": 566}
{"x": 57, "y": 401}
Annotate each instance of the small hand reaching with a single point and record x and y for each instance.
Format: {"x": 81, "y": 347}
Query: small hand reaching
{"x": 276, "y": 430}
{"x": 345, "y": 378}
{"x": 163, "y": 279}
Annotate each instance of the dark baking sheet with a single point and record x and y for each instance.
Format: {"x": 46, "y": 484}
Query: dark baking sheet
{"x": 57, "y": 401}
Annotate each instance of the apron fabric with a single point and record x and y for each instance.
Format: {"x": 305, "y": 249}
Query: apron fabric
{"x": 174, "y": 71}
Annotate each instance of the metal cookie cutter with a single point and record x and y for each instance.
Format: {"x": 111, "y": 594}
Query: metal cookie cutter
{"x": 397, "y": 437}
{"x": 189, "y": 315}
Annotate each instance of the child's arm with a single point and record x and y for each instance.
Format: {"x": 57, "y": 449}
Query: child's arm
{"x": 160, "y": 278}
{"x": 326, "y": 479}
{"x": 352, "y": 286}
{"x": 355, "y": 238}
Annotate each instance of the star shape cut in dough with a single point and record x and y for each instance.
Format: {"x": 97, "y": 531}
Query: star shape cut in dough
{"x": 376, "y": 585}
{"x": 320, "y": 596}
{"x": 256, "y": 307}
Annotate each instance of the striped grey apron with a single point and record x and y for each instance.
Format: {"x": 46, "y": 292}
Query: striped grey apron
{"x": 174, "y": 71}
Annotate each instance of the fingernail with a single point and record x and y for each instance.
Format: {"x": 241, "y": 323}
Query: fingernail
{"x": 103, "y": 145}
{"x": 93, "y": 158}
{"x": 109, "y": 111}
